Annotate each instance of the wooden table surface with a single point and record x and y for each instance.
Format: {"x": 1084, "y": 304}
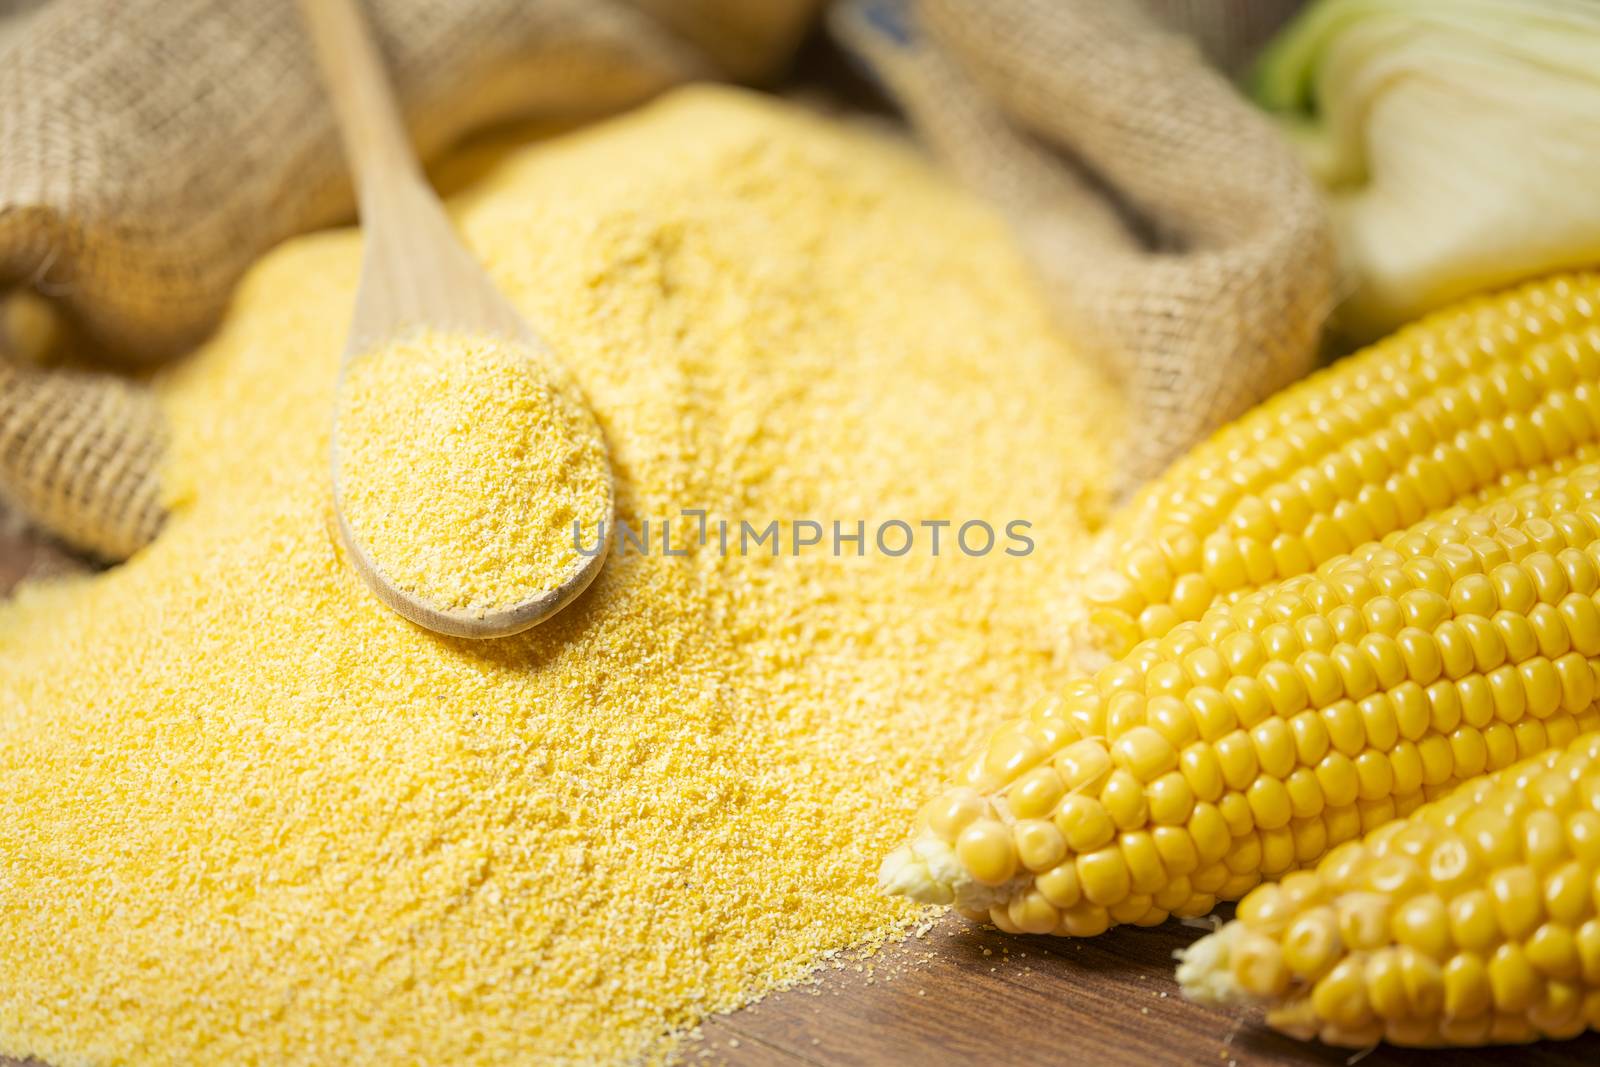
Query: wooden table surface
{"x": 958, "y": 994}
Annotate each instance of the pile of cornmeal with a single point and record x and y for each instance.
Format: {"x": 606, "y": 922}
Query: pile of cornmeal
{"x": 247, "y": 815}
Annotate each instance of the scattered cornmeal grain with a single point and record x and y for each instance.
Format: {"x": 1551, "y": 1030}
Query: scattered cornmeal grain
{"x": 464, "y": 464}
{"x": 250, "y": 816}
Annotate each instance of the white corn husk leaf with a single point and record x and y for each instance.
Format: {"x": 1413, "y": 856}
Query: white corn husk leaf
{"x": 1459, "y": 141}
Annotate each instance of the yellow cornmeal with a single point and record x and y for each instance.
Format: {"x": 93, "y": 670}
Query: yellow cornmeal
{"x": 464, "y": 463}
{"x": 248, "y": 815}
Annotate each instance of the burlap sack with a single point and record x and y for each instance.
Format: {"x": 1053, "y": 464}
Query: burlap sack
{"x": 151, "y": 149}
{"x": 1174, "y": 231}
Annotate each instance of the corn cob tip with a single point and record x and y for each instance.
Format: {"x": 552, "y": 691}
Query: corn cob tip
{"x": 926, "y": 871}
{"x": 1208, "y": 973}
{"x": 1472, "y": 921}
{"x": 1205, "y": 969}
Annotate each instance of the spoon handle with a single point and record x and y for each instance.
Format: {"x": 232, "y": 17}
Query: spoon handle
{"x": 370, "y": 125}
{"x": 416, "y": 270}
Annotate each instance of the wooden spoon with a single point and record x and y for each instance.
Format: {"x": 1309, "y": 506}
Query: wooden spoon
{"x": 415, "y": 275}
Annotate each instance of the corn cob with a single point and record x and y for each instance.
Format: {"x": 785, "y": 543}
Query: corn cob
{"x": 1451, "y": 410}
{"x": 1250, "y": 742}
{"x": 1473, "y": 921}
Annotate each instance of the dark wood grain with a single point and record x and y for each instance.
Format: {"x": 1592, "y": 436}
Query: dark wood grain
{"x": 967, "y": 995}
{"x": 962, "y": 995}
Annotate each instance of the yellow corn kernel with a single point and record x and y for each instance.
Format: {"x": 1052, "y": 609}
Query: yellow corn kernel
{"x": 1273, "y": 741}
{"x": 1083, "y": 763}
{"x": 1085, "y": 823}
{"x": 1172, "y": 719}
{"x": 1031, "y": 913}
{"x": 1470, "y": 752}
{"x": 1582, "y": 620}
{"x": 1311, "y": 943}
{"x": 1240, "y": 883}
{"x": 1039, "y": 844}
{"x": 1270, "y": 806}
{"x": 1438, "y": 762}
{"x": 1456, "y": 657}
{"x": 1084, "y": 920}
{"x": 1423, "y": 980}
{"x": 1144, "y": 753}
{"x": 1237, "y": 756}
{"x": 1278, "y": 851}
{"x": 1516, "y": 632}
{"x": 1248, "y": 699}
{"x": 1146, "y": 872}
{"x": 985, "y": 850}
{"x": 1423, "y": 923}
{"x": 1409, "y": 704}
{"x": 1587, "y": 941}
{"x": 1356, "y": 670}
{"x": 1171, "y": 799}
{"x": 1544, "y": 844}
{"x": 948, "y": 815}
{"x": 1210, "y": 833}
{"x": 1340, "y": 996}
{"x": 1244, "y": 854}
{"x": 1060, "y": 885}
{"x": 1305, "y": 794}
{"x": 1346, "y": 730}
{"x": 1374, "y": 775}
{"x": 1177, "y": 849}
{"x": 1132, "y": 909}
{"x": 1311, "y": 738}
{"x": 1513, "y": 983}
{"x": 1210, "y": 712}
{"x": 1124, "y": 800}
{"x": 1236, "y": 813}
{"x": 1008, "y": 756}
{"x": 1378, "y": 721}
{"x": 1567, "y": 894}
{"x": 1036, "y": 794}
{"x": 1517, "y": 901}
{"x": 1260, "y": 967}
{"x": 1553, "y": 952}
{"x": 1501, "y": 745}
{"x": 1386, "y": 985}
{"x": 1467, "y": 992}
{"x": 1444, "y": 707}
{"x": 1103, "y": 874}
{"x": 1363, "y": 919}
{"x": 1337, "y": 776}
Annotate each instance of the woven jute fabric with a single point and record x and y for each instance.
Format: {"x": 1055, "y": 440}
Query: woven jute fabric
{"x": 150, "y": 150}
{"x": 1230, "y": 33}
{"x": 81, "y": 452}
{"x": 1175, "y": 233}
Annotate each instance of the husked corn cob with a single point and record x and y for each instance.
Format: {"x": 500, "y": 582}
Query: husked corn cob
{"x": 1472, "y": 921}
{"x": 1297, "y": 717}
{"x": 1451, "y": 410}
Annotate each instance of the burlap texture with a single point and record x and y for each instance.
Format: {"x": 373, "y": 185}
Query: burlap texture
{"x": 80, "y": 453}
{"x": 1229, "y": 33}
{"x": 1176, "y": 234}
{"x": 151, "y": 149}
